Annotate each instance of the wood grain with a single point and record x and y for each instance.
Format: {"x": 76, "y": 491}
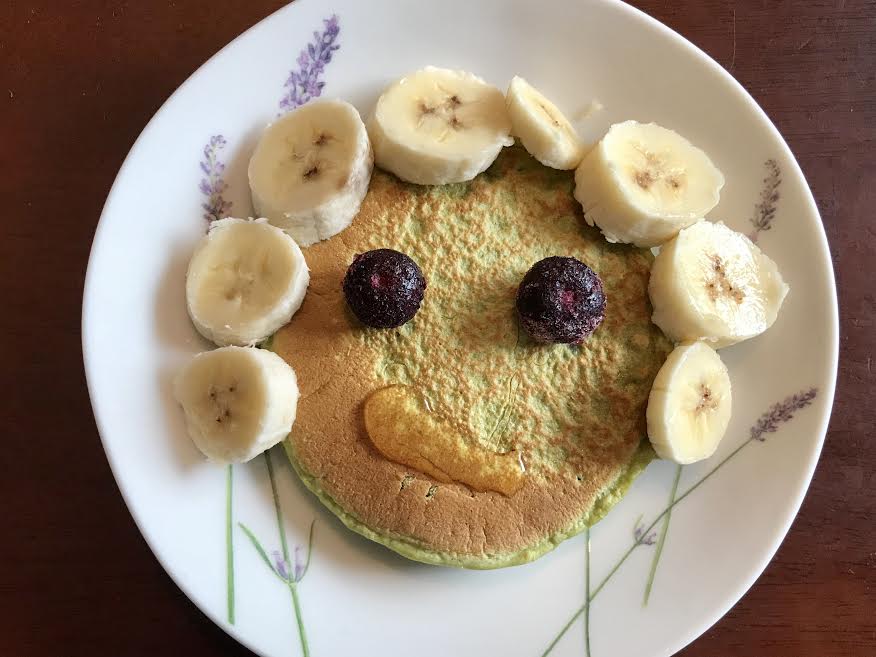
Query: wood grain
{"x": 79, "y": 80}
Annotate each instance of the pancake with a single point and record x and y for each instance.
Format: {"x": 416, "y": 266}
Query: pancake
{"x": 573, "y": 416}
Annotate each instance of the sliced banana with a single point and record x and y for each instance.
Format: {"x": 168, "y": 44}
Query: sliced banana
{"x": 641, "y": 184}
{"x": 438, "y": 126}
{"x": 541, "y": 127}
{"x": 310, "y": 170}
{"x": 689, "y": 406}
{"x": 238, "y": 401}
{"x": 711, "y": 283}
{"x": 245, "y": 280}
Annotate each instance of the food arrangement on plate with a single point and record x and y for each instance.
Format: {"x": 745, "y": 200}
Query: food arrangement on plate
{"x": 477, "y": 350}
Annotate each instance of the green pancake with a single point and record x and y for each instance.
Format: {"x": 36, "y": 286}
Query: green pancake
{"x": 574, "y": 416}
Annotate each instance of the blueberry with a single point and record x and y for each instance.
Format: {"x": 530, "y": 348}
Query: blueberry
{"x": 560, "y": 300}
{"x": 384, "y": 288}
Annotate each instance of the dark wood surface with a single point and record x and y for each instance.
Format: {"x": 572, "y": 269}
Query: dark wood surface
{"x": 78, "y": 81}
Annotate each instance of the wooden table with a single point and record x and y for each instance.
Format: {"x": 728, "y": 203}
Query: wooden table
{"x": 78, "y": 81}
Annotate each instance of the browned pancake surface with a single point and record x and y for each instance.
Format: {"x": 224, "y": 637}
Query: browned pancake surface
{"x": 576, "y": 414}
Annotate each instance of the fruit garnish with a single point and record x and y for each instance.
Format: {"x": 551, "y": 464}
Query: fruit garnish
{"x": 245, "y": 280}
{"x": 711, "y": 283}
{"x": 384, "y": 288}
{"x": 541, "y": 127}
{"x": 238, "y": 401}
{"x": 438, "y": 126}
{"x": 311, "y": 169}
{"x": 642, "y": 183}
{"x": 560, "y": 300}
{"x": 689, "y": 406}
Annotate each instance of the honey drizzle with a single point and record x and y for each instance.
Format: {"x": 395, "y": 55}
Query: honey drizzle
{"x": 401, "y": 427}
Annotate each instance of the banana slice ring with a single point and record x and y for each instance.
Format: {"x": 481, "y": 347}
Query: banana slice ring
{"x": 711, "y": 283}
{"x": 641, "y": 184}
{"x": 311, "y": 169}
{"x": 438, "y": 126}
{"x": 238, "y": 401}
{"x": 245, "y": 280}
{"x": 541, "y": 127}
{"x": 689, "y": 405}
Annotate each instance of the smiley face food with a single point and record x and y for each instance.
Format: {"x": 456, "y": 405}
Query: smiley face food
{"x": 482, "y": 423}
{"x": 458, "y": 439}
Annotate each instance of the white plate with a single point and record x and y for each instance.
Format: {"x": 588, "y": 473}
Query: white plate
{"x": 357, "y": 597}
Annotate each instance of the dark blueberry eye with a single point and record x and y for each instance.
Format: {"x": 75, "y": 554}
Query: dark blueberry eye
{"x": 560, "y": 300}
{"x": 384, "y": 288}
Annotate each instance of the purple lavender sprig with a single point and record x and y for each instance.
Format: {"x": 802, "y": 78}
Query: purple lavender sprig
{"x": 765, "y": 210}
{"x": 304, "y": 84}
{"x": 771, "y": 420}
{"x": 641, "y": 537}
{"x": 290, "y": 572}
{"x": 777, "y": 414}
{"x": 212, "y": 185}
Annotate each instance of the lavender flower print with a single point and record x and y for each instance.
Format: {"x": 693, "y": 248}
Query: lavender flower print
{"x": 778, "y": 414}
{"x": 304, "y": 84}
{"x": 769, "y": 422}
{"x": 213, "y": 185}
{"x": 641, "y": 537}
{"x": 301, "y": 86}
{"x": 765, "y": 210}
{"x": 300, "y": 567}
{"x": 661, "y": 540}
{"x": 282, "y": 565}
{"x": 290, "y": 570}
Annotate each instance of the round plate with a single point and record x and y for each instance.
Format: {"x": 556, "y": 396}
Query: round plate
{"x": 236, "y": 540}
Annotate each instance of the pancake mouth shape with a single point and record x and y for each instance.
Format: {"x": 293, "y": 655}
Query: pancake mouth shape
{"x": 402, "y": 428}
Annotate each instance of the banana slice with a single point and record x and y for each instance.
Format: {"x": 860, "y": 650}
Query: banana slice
{"x": 641, "y": 184}
{"x": 310, "y": 170}
{"x": 245, "y": 280}
{"x": 438, "y": 126}
{"x": 712, "y": 283}
{"x": 689, "y": 406}
{"x": 238, "y": 401}
{"x": 541, "y": 127}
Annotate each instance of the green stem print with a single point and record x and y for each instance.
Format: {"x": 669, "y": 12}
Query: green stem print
{"x": 229, "y": 545}
{"x": 288, "y": 570}
{"x": 587, "y": 595}
{"x": 304, "y": 83}
{"x": 769, "y": 422}
{"x": 664, "y": 529}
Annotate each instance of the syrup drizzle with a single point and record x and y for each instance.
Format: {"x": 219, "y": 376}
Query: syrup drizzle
{"x": 402, "y": 428}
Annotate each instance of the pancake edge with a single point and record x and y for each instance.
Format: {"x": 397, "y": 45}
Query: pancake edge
{"x": 607, "y": 498}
